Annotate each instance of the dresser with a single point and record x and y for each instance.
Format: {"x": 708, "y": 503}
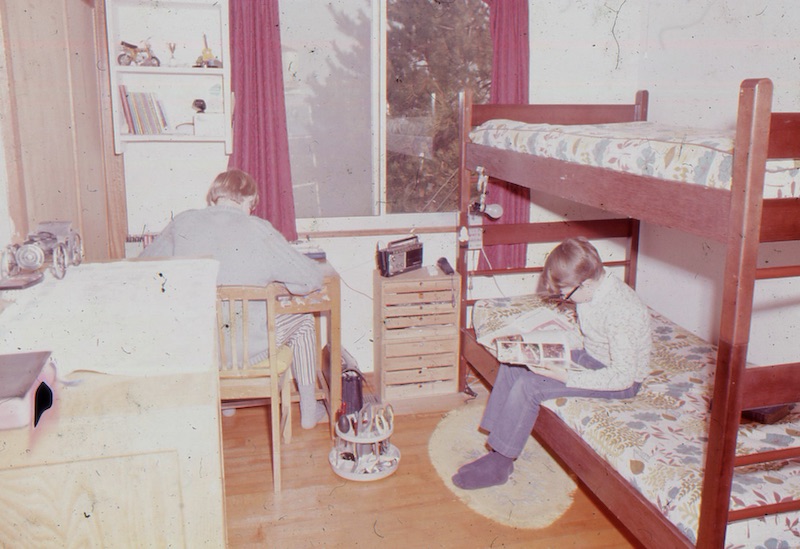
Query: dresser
{"x": 416, "y": 334}
{"x": 129, "y": 455}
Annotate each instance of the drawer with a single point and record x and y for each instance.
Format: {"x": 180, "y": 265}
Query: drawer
{"x": 415, "y": 390}
{"x": 431, "y": 296}
{"x": 420, "y": 375}
{"x": 426, "y": 285}
{"x": 425, "y": 319}
{"x": 418, "y": 362}
{"x": 436, "y": 331}
{"x": 420, "y": 347}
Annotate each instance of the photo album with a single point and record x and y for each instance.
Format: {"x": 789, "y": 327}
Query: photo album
{"x": 537, "y": 338}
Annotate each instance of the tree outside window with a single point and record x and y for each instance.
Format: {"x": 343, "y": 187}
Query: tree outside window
{"x": 434, "y": 49}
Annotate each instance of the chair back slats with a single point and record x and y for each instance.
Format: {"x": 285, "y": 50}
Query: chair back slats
{"x": 235, "y": 304}
{"x": 268, "y": 375}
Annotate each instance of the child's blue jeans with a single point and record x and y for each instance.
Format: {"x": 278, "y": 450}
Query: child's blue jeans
{"x": 517, "y": 394}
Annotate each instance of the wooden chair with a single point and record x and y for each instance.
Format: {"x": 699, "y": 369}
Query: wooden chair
{"x": 243, "y": 382}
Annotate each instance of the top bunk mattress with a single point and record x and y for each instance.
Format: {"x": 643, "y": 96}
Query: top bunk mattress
{"x": 689, "y": 155}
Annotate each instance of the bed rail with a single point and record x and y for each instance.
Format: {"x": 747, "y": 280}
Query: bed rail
{"x": 564, "y": 113}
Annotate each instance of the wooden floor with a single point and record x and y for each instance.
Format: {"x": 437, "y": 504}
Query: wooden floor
{"x": 412, "y": 508}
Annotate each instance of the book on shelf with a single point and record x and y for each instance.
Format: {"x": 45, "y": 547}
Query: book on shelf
{"x": 126, "y": 108}
{"x": 143, "y": 111}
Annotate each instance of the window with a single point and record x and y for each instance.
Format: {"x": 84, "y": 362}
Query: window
{"x": 434, "y": 49}
{"x": 362, "y": 148}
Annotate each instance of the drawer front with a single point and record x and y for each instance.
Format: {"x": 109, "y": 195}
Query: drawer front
{"x": 420, "y": 375}
{"x": 420, "y": 347}
{"x": 437, "y": 296}
{"x": 425, "y": 319}
{"x": 412, "y": 286}
{"x": 435, "y": 331}
{"x": 419, "y": 362}
{"x": 415, "y": 390}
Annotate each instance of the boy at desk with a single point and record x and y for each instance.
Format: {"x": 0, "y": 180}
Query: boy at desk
{"x": 252, "y": 252}
{"x": 615, "y": 325}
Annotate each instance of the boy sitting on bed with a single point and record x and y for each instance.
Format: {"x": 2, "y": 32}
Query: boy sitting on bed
{"x": 613, "y": 363}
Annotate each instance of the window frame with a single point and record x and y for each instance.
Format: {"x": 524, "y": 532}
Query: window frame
{"x": 380, "y": 220}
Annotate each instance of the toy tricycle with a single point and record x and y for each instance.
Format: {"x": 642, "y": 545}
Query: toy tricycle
{"x": 137, "y": 55}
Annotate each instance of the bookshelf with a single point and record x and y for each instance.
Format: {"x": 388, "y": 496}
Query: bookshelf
{"x": 154, "y": 102}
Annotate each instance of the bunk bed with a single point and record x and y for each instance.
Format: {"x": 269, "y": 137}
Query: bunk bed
{"x": 737, "y": 213}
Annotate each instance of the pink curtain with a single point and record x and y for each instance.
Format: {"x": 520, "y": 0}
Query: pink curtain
{"x": 510, "y": 69}
{"x": 260, "y": 142}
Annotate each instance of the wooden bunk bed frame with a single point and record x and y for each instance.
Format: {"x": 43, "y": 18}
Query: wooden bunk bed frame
{"x": 740, "y": 219}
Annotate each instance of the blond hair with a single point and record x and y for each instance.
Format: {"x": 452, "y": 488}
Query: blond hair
{"x": 235, "y": 185}
{"x": 570, "y": 264}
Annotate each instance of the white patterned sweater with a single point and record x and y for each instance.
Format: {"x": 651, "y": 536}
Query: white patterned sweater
{"x": 616, "y": 331}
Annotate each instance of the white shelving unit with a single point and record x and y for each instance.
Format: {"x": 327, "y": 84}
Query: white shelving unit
{"x": 189, "y": 25}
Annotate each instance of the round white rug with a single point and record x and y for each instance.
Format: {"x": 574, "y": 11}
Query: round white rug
{"x": 537, "y": 493}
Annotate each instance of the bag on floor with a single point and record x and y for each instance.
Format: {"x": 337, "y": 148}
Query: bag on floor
{"x": 352, "y": 390}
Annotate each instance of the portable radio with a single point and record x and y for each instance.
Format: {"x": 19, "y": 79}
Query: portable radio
{"x": 400, "y": 256}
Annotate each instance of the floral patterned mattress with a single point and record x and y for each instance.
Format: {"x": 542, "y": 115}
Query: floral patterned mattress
{"x": 703, "y": 157}
{"x": 656, "y": 440}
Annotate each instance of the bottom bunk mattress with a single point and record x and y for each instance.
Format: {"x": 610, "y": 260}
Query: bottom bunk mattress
{"x": 657, "y": 439}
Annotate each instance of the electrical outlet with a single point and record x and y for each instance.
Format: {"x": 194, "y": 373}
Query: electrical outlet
{"x": 475, "y": 238}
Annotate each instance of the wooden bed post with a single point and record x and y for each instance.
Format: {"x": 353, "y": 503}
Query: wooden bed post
{"x": 752, "y": 131}
{"x": 640, "y": 108}
{"x": 464, "y": 117}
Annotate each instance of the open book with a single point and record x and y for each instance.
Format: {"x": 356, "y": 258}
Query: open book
{"x": 539, "y": 337}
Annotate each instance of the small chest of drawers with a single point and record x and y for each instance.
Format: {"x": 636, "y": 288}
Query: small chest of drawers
{"x": 416, "y": 334}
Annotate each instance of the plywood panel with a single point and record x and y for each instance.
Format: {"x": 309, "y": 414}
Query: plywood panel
{"x": 127, "y": 501}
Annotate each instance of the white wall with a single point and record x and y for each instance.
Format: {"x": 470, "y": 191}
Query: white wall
{"x": 5, "y": 215}
{"x": 692, "y": 56}
{"x": 162, "y": 180}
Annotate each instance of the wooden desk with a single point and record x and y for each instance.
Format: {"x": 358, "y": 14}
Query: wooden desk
{"x": 324, "y": 303}
{"x": 130, "y": 453}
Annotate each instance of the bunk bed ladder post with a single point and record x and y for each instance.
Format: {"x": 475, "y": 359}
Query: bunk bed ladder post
{"x": 640, "y": 107}
{"x": 462, "y": 261}
{"x": 632, "y": 259}
{"x": 752, "y": 129}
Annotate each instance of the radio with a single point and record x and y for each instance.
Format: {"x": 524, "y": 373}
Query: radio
{"x": 400, "y": 256}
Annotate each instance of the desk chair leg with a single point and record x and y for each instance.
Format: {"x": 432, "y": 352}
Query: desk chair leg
{"x": 276, "y": 445}
{"x": 286, "y": 406}
{"x": 326, "y": 391}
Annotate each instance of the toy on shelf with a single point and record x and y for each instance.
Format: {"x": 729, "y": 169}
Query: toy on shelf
{"x": 137, "y": 55}
{"x": 172, "y": 62}
{"x": 207, "y": 58}
{"x": 54, "y": 243}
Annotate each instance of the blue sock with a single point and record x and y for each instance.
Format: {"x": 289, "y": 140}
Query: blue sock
{"x": 492, "y": 469}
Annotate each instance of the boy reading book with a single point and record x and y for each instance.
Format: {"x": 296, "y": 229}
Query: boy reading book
{"x": 613, "y": 362}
